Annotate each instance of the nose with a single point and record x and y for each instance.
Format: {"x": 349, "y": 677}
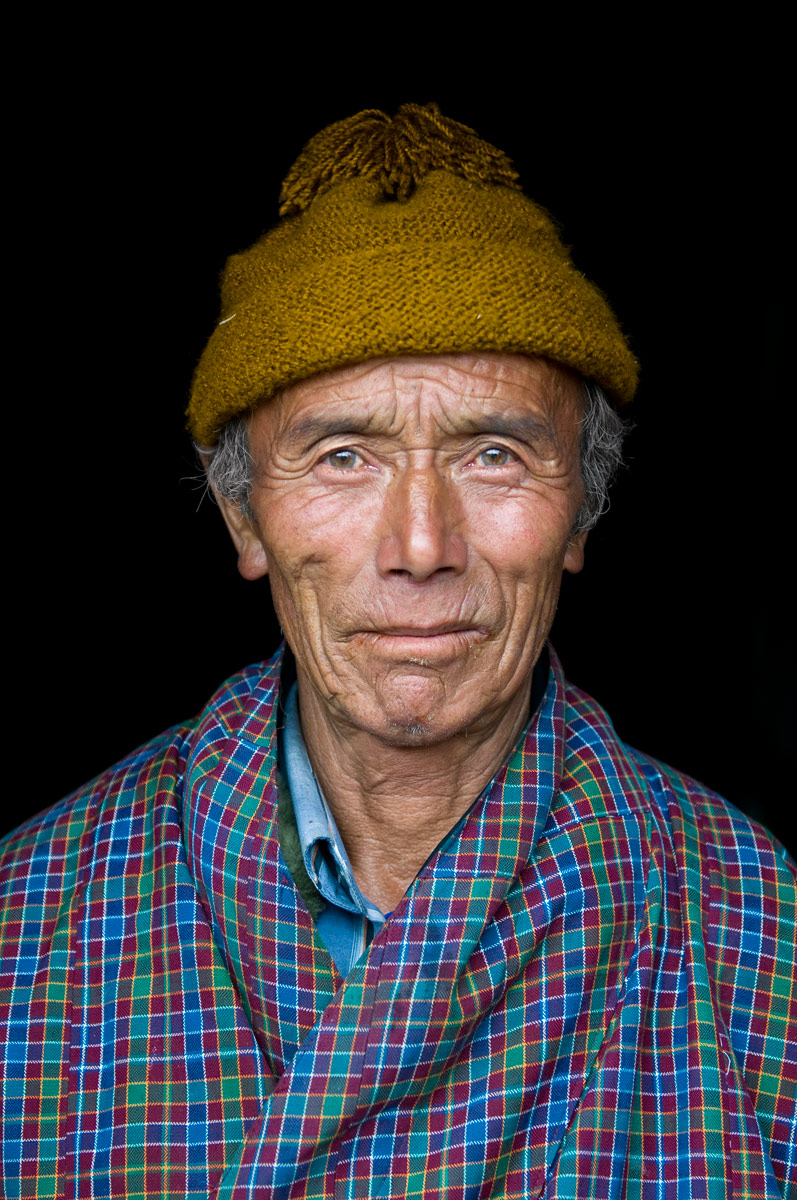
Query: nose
{"x": 423, "y": 533}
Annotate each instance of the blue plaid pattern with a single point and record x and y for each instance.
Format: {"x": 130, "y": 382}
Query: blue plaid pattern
{"x": 588, "y": 991}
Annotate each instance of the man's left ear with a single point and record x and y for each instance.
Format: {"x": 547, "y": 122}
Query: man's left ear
{"x": 574, "y": 554}
{"x": 252, "y": 557}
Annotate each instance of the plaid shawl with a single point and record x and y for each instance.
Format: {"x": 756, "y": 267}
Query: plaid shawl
{"x": 589, "y": 992}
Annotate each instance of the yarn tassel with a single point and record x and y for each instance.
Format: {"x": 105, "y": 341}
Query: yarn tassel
{"x": 397, "y": 152}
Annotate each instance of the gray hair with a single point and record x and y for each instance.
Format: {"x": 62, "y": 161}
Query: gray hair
{"x": 229, "y": 464}
{"x": 601, "y": 450}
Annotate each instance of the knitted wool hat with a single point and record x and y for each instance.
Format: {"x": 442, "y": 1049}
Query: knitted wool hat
{"x": 403, "y": 235}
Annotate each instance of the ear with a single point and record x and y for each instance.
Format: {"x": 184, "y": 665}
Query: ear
{"x": 574, "y": 554}
{"x": 252, "y": 557}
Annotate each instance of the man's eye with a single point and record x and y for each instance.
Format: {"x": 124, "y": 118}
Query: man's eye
{"x": 343, "y": 459}
{"x": 495, "y": 456}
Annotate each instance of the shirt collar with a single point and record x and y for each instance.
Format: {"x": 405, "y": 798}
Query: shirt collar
{"x": 325, "y": 858}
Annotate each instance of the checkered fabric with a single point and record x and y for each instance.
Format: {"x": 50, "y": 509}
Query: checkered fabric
{"x": 589, "y": 991}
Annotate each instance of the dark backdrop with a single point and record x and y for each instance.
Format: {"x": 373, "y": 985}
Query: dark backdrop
{"x": 141, "y": 170}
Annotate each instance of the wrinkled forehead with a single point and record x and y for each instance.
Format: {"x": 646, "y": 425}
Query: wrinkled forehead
{"x": 451, "y": 391}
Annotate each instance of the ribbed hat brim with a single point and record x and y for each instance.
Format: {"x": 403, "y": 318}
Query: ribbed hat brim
{"x": 458, "y": 268}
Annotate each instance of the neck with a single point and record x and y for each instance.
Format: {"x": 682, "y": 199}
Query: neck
{"x": 394, "y": 804}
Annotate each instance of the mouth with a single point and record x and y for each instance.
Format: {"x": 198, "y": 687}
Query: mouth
{"x": 424, "y": 642}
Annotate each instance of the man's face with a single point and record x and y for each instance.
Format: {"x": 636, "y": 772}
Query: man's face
{"x": 414, "y": 517}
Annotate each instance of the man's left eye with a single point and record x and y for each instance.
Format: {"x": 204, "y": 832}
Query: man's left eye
{"x": 494, "y": 456}
{"x": 343, "y": 459}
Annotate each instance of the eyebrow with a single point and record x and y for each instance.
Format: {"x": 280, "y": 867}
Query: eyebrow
{"x": 310, "y": 430}
{"x": 522, "y": 428}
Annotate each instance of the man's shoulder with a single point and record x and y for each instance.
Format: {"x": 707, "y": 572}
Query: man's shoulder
{"x": 127, "y": 793}
{"x": 47, "y": 862}
{"x": 721, "y": 850}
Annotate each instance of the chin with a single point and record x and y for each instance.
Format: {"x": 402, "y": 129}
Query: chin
{"x": 413, "y": 734}
{"x": 407, "y": 728}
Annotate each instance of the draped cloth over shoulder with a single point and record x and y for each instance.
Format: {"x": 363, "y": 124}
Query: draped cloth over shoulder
{"x": 592, "y": 980}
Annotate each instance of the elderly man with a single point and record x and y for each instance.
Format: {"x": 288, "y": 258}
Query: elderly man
{"x": 398, "y": 914}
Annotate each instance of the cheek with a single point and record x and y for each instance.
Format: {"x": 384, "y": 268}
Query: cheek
{"x": 522, "y": 538}
{"x": 316, "y": 549}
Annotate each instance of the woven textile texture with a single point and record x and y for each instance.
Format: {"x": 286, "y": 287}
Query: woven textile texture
{"x": 588, "y": 991}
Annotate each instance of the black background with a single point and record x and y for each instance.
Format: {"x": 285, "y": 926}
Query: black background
{"x": 141, "y": 162}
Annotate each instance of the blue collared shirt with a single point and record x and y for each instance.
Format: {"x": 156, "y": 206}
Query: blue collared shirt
{"x": 349, "y": 919}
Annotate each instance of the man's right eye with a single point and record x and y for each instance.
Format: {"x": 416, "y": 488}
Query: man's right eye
{"x": 343, "y": 459}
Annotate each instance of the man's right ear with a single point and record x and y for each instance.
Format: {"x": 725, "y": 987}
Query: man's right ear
{"x": 252, "y": 557}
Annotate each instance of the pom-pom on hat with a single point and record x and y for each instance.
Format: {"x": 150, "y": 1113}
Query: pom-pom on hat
{"x": 399, "y": 235}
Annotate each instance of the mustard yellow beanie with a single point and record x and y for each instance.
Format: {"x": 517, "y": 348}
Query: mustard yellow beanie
{"x": 402, "y": 235}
